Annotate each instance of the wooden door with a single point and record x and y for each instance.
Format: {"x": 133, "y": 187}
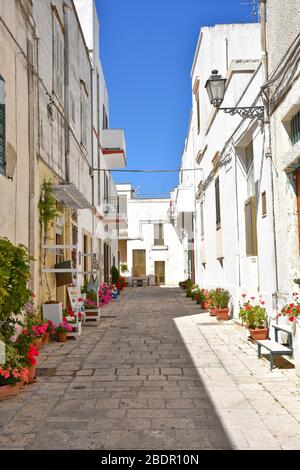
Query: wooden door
{"x": 139, "y": 263}
{"x": 159, "y": 272}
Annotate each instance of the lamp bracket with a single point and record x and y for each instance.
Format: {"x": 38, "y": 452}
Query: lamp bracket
{"x": 251, "y": 112}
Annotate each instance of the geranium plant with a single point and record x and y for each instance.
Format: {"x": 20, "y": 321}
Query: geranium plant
{"x": 14, "y": 370}
{"x": 221, "y": 298}
{"x": 104, "y": 294}
{"x": 252, "y": 314}
{"x": 50, "y": 327}
{"x": 64, "y": 327}
{"x": 292, "y": 309}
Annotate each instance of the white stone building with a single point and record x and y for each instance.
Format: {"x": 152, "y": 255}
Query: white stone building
{"x": 149, "y": 245}
{"x": 233, "y": 224}
{"x": 108, "y": 146}
{"x": 280, "y": 22}
{"x": 55, "y": 113}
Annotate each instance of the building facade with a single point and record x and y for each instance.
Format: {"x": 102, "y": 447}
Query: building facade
{"x": 229, "y": 169}
{"x": 149, "y": 244}
{"x": 281, "y": 48}
{"x": 55, "y": 133}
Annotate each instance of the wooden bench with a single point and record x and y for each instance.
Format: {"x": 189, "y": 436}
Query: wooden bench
{"x": 273, "y": 348}
{"x": 286, "y": 329}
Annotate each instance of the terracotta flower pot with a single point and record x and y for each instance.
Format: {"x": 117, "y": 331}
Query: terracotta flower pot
{"x": 213, "y": 311}
{"x": 38, "y": 343}
{"x": 259, "y": 333}
{"x": 45, "y": 339}
{"x": 62, "y": 336}
{"x": 223, "y": 314}
{"x": 31, "y": 374}
{"x": 9, "y": 391}
{"x": 204, "y": 305}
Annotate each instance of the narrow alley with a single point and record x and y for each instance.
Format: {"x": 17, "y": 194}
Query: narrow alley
{"x": 157, "y": 373}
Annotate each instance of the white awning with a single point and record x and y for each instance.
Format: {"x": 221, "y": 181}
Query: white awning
{"x": 69, "y": 196}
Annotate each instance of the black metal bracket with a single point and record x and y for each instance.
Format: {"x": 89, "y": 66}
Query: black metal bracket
{"x": 251, "y": 112}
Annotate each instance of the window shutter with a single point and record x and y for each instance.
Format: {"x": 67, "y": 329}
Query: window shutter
{"x": 250, "y": 227}
{"x": 2, "y": 127}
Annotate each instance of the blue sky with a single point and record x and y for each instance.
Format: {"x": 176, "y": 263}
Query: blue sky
{"x": 147, "y": 50}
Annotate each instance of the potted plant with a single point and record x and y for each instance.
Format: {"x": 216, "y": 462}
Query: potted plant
{"x": 213, "y": 311}
{"x": 29, "y": 354}
{"x": 12, "y": 372}
{"x": 222, "y": 298}
{"x": 49, "y": 332}
{"x": 205, "y": 301}
{"x": 62, "y": 331}
{"x": 199, "y": 296}
{"x": 291, "y": 312}
{"x": 254, "y": 316}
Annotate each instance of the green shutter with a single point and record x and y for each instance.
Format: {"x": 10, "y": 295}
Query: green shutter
{"x": 295, "y": 128}
{"x": 2, "y": 127}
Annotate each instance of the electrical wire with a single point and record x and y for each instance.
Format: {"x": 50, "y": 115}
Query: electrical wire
{"x": 150, "y": 171}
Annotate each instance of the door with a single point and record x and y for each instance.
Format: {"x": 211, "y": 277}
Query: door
{"x": 139, "y": 263}
{"x": 159, "y": 267}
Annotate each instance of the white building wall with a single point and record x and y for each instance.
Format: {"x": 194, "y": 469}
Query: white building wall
{"x": 218, "y": 150}
{"x": 283, "y": 32}
{"x": 142, "y": 215}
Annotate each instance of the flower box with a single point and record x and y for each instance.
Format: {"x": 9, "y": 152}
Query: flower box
{"x": 10, "y": 391}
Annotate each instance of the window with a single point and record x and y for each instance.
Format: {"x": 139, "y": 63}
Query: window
{"x": 105, "y": 188}
{"x": 198, "y": 112}
{"x": 263, "y": 204}
{"x": 105, "y": 119}
{"x": 2, "y": 127}
{"x": 84, "y": 116}
{"x": 250, "y": 227}
{"x": 202, "y": 219}
{"x": 139, "y": 262}
{"x": 295, "y": 128}
{"x": 58, "y": 60}
{"x": 98, "y": 133}
{"x": 159, "y": 234}
{"x": 249, "y": 164}
{"x": 218, "y": 207}
{"x": 72, "y": 109}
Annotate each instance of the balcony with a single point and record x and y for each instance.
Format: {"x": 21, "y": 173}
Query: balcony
{"x": 114, "y": 148}
{"x": 185, "y": 199}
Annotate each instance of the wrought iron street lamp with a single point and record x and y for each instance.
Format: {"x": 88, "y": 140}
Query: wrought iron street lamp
{"x": 215, "y": 87}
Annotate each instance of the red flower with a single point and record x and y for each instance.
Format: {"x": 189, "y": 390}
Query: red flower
{"x": 243, "y": 295}
{"x": 262, "y": 302}
{"x": 252, "y": 298}
{"x": 292, "y": 318}
{"x": 292, "y": 305}
{"x": 248, "y": 307}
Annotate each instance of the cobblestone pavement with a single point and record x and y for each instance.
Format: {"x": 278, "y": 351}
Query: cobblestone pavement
{"x": 157, "y": 373}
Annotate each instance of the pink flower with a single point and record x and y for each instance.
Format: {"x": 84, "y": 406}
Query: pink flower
{"x": 243, "y": 295}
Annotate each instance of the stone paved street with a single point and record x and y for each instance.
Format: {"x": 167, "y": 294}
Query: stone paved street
{"x": 157, "y": 373}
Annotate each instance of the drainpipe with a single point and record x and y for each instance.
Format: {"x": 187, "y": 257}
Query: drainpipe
{"x": 263, "y": 24}
{"x": 32, "y": 160}
{"x": 67, "y": 94}
{"x": 92, "y": 156}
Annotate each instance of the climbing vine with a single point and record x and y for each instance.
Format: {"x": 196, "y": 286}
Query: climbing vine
{"x": 47, "y": 206}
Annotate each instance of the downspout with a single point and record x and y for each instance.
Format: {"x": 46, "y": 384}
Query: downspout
{"x": 93, "y": 164}
{"x": 67, "y": 95}
{"x": 32, "y": 160}
{"x": 265, "y": 63}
